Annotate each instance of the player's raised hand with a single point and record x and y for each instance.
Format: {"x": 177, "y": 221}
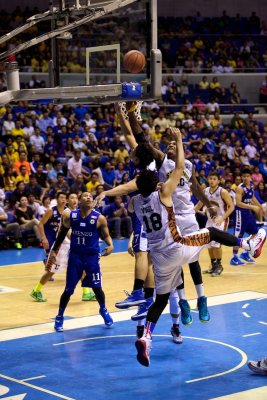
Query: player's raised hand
{"x": 99, "y": 198}
{"x": 176, "y": 134}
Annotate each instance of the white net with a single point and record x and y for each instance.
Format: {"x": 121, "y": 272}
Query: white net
{"x": 137, "y": 110}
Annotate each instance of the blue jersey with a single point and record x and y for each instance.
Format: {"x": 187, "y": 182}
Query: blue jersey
{"x": 248, "y": 193}
{"x": 84, "y": 233}
{"x": 51, "y": 226}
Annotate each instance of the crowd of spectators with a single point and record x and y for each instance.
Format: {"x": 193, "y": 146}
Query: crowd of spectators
{"x": 193, "y": 44}
{"x": 46, "y": 149}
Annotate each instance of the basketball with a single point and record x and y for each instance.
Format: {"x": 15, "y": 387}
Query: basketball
{"x": 134, "y": 61}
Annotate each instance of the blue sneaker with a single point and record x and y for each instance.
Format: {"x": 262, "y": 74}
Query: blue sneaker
{"x": 106, "y": 316}
{"x": 142, "y": 310}
{"x": 245, "y": 256}
{"x": 236, "y": 261}
{"x": 204, "y": 315}
{"x": 134, "y": 299}
{"x": 59, "y": 323}
{"x": 186, "y": 316}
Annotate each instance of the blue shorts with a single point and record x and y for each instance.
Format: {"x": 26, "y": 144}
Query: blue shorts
{"x": 139, "y": 236}
{"x": 244, "y": 223}
{"x": 79, "y": 263}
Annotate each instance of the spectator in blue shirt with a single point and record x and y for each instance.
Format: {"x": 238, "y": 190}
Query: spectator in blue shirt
{"x": 45, "y": 121}
{"x": 108, "y": 176}
{"x": 117, "y": 215}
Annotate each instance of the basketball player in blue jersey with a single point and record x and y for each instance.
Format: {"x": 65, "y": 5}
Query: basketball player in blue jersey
{"x": 86, "y": 227}
{"x": 48, "y": 227}
{"x": 155, "y": 209}
{"x": 244, "y": 219}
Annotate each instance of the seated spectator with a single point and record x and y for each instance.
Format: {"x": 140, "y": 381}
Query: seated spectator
{"x": 199, "y": 104}
{"x": 121, "y": 153}
{"x": 256, "y": 176}
{"x": 213, "y": 106}
{"x": 237, "y": 122}
{"x": 78, "y": 185}
{"x": 119, "y": 172}
{"x": 53, "y": 173}
{"x": 11, "y": 154}
{"x": 108, "y": 176}
{"x": 161, "y": 121}
{"x": 35, "y": 161}
{"x": 10, "y": 227}
{"x": 41, "y": 176}
{"x": 93, "y": 183}
{"x": 18, "y": 130}
{"x": 244, "y": 158}
{"x": 8, "y": 125}
{"x": 235, "y": 97}
{"x": 44, "y": 206}
{"x": 9, "y": 180}
{"x": 19, "y": 191}
{"x": 117, "y": 215}
{"x": 45, "y": 121}
{"x": 251, "y": 149}
{"x": 34, "y": 188}
{"x": 26, "y": 219}
{"x": 203, "y": 84}
{"x": 23, "y": 176}
{"x": 37, "y": 140}
{"x": 216, "y": 121}
{"x": 33, "y": 204}
{"x": 237, "y": 182}
{"x": 227, "y": 145}
{"x": 201, "y": 177}
{"x": 203, "y": 164}
{"x": 156, "y": 134}
{"x": 215, "y": 85}
{"x": 60, "y": 185}
{"x": 75, "y": 165}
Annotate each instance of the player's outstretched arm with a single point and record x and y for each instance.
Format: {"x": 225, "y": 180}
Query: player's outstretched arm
{"x": 126, "y": 128}
{"x": 120, "y": 190}
{"x": 103, "y": 225}
{"x": 170, "y": 185}
{"x": 62, "y": 232}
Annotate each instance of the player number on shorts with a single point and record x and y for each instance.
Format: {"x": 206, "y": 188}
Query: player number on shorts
{"x": 81, "y": 240}
{"x": 96, "y": 277}
{"x": 154, "y": 224}
{"x": 181, "y": 183}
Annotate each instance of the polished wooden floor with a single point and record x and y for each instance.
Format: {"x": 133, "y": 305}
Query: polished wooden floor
{"x": 19, "y": 309}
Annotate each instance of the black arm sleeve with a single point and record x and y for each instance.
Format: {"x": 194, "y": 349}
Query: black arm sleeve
{"x": 60, "y": 237}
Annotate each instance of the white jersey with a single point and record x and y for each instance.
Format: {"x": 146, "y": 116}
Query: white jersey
{"x": 181, "y": 197}
{"x": 158, "y": 221}
{"x": 216, "y": 200}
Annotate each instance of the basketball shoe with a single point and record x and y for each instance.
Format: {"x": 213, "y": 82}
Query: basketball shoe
{"x": 142, "y": 310}
{"x": 235, "y": 260}
{"x": 143, "y": 346}
{"x": 133, "y": 299}
{"x": 38, "y": 296}
{"x": 259, "y": 367}
{"x": 186, "y": 316}
{"x": 176, "y": 334}
{"x": 106, "y": 316}
{"x": 59, "y": 323}
{"x": 204, "y": 315}
{"x": 245, "y": 256}
{"x": 256, "y": 244}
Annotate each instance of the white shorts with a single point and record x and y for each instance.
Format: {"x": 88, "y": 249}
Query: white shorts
{"x": 187, "y": 223}
{"x": 62, "y": 259}
{"x": 167, "y": 264}
{"x": 222, "y": 227}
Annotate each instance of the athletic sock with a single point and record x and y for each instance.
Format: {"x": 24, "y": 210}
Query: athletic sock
{"x": 148, "y": 292}
{"x": 149, "y": 328}
{"x": 235, "y": 252}
{"x": 200, "y": 290}
{"x": 181, "y": 294}
{"x": 141, "y": 322}
{"x": 138, "y": 284}
{"x": 38, "y": 287}
{"x": 86, "y": 290}
{"x": 175, "y": 321}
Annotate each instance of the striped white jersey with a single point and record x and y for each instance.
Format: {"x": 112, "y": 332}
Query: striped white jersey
{"x": 182, "y": 195}
{"x": 216, "y": 200}
{"x": 158, "y": 221}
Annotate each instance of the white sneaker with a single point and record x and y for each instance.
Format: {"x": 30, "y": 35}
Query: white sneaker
{"x": 259, "y": 367}
{"x": 176, "y": 335}
{"x": 143, "y": 347}
{"x": 257, "y": 243}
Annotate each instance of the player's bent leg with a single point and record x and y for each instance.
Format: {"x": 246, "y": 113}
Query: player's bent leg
{"x": 148, "y": 294}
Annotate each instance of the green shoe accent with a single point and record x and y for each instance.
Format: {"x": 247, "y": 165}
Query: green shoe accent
{"x": 88, "y": 297}
{"x": 18, "y": 245}
{"x": 38, "y": 296}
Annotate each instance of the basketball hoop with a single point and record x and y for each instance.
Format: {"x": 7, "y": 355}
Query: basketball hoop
{"x": 137, "y": 110}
